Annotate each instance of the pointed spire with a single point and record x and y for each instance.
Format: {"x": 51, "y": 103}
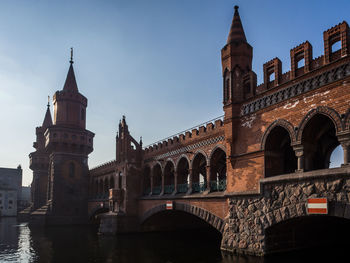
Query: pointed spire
{"x": 71, "y": 83}
{"x": 47, "y": 120}
{"x": 236, "y": 34}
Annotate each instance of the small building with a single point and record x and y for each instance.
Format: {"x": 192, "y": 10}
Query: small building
{"x": 10, "y": 190}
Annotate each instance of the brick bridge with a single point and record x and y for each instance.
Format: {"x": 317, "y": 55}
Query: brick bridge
{"x": 249, "y": 173}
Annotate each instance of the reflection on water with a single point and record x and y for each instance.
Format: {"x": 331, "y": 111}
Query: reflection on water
{"x": 18, "y": 243}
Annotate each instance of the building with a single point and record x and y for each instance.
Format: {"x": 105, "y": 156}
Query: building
{"x": 60, "y": 162}
{"x": 10, "y": 190}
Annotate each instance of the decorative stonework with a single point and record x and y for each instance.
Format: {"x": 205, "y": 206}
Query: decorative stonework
{"x": 282, "y": 197}
{"x": 316, "y": 82}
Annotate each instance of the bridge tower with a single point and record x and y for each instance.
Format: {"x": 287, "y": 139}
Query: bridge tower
{"x": 39, "y": 163}
{"x": 239, "y": 81}
{"x": 68, "y": 144}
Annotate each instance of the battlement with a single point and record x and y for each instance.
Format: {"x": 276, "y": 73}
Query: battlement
{"x": 191, "y": 135}
{"x": 98, "y": 168}
{"x": 302, "y": 61}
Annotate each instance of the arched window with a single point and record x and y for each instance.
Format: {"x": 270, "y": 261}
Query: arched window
{"x": 71, "y": 169}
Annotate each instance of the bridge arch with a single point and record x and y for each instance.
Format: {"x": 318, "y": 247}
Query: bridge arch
{"x": 209, "y": 218}
{"x": 96, "y": 211}
{"x": 300, "y": 230}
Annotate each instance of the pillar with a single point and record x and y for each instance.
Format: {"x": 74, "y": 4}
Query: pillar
{"x": 345, "y": 144}
{"x": 190, "y": 182}
{"x": 175, "y": 183}
{"x": 299, "y": 153}
{"x": 151, "y": 178}
{"x": 208, "y": 177}
{"x": 163, "y": 182}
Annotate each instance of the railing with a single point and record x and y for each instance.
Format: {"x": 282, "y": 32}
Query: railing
{"x": 182, "y": 188}
{"x": 218, "y": 185}
{"x": 168, "y": 189}
{"x": 147, "y": 191}
{"x": 199, "y": 187}
{"x": 183, "y": 132}
{"x": 156, "y": 190}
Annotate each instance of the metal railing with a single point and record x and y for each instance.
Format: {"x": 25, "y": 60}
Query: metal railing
{"x": 218, "y": 185}
{"x": 199, "y": 187}
{"x": 156, "y": 190}
{"x": 182, "y": 188}
{"x": 169, "y": 189}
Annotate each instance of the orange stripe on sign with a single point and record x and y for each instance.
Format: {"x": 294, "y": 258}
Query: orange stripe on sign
{"x": 317, "y": 210}
{"x": 317, "y": 200}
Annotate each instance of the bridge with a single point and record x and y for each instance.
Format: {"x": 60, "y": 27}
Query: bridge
{"x": 253, "y": 173}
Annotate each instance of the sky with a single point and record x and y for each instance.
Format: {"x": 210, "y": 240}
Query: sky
{"x": 157, "y": 61}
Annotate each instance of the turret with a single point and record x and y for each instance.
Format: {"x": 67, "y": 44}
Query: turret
{"x": 69, "y": 104}
{"x": 239, "y": 81}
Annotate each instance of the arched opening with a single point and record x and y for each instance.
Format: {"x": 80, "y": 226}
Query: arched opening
{"x": 218, "y": 170}
{"x": 169, "y": 182}
{"x": 199, "y": 179}
{"x": 179, "y": 230}
{"x": 146, "y": 180}
{"x": 307, "y": 232}
{"x": 182, "y": 175}
{"x": 319, "y": 140}
{"x": 279, "y": 155}
{"x": 337, "y": 157}
{"x": 157, "y": 180}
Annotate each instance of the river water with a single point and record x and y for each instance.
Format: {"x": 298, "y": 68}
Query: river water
{"x": 19, "y": 243}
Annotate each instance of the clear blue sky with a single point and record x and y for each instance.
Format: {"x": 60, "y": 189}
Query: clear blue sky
{"x": 157, "y": 62}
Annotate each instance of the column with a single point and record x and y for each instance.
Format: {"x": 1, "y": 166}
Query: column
{"x": 151, "y": 178}
{"x": 208, "y": 177}
{"x": 299, "y": 153}
{"x": 163, "y": 182}
{"x": 345, "y": 144}
{"x": 189, "y": 191}
{"x": 175, "y": 183}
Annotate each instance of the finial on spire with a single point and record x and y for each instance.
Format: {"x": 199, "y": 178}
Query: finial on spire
{"x": 48, "y": 101}
{"x": 236, "y": 7}
{"x": 71, "y": 56}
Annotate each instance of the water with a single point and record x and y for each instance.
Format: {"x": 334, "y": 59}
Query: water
{"x": 18, "y": 243}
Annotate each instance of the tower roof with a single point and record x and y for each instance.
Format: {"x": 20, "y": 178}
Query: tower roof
{"x": 47, "y": 120}
{"x": 236, "y": 34}
{"x": 71, "y": 83}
